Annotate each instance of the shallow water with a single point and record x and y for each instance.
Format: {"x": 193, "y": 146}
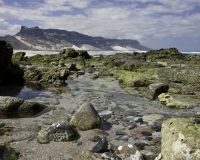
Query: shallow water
{"x": 106, "y": 95}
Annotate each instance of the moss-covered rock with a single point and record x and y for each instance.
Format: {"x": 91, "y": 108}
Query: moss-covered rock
{"x": 8, "y": 153}
{"x": 86, "y": 117}
{"x": 19, "y": 56}
{"x": 60, "y": 131}
{"x": 180, "y": 139}
{"x": 169, "y": 101}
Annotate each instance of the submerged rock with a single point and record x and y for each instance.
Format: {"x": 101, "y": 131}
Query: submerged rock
{"x": 169, "y": 101}
{"x": 180, "y": 139}
{"x": 86, "y": 117}
{"x": 60, "y": 131}
{"x": 13, "y": 105}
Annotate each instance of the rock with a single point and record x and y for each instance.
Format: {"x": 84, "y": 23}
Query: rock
{"x": 136, "y": 156}
{"x": 54, "y": 118}
{"x": 86, "y": 117}
{"x": 31, "y": 108}
{"x": 9, "y": 72}
{"x": 102, "y": 146}
{"x": 141, "y": 131}
{"x": 69, "y": 53}
{"x": 60, "y": 131}
{"x": 127, "y": 149}
{"x": 35, "y": 127}
{"x": 7, "y": 153}
{"x": 19, "y": 56}
{"x": 156, "y": 89}
{"x": 180, "y": 139}
{"x": 6, "y": 52}
{"x": 23, "y": 135}
{"x": 198, "y": 114}
{"x": 111, "y": 156}
{"x": 94, "y": 76}
{"x": 10, "y": 104}
{"x": 2, "y": 124}
{"x": 169, "y": 101}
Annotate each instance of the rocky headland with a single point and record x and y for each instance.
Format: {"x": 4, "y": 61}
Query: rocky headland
{"x": 124, "y": 106}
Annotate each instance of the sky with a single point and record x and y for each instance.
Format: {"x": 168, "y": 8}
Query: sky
{"x": 154, "y": 23}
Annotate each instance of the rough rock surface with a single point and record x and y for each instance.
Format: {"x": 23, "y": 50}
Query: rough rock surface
{"x": 155, "y": 90}
{"x": 7, "y": 153}
{"x": 60, "y": 131}
{"x": 9, "y": 71}
{"x": 86, "y": 117}
{"x": 180, "y": 139}
{"x": 13, "y": 104}
{"x": 169, "y": 101}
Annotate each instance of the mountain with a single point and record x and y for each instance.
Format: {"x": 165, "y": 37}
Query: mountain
{"x": 54, "y": 39}
{"x": 15, "y": 43}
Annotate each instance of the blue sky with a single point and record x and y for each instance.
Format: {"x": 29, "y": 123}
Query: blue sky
{"x": 154, "y": 23}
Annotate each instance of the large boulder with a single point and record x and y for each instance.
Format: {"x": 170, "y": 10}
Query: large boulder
{"x": 156, "y": 89}
{"x": 180, "y": 139}
{"x": 60, "y": 131}
{"x": 9, "y": 72}
{"x": 170, "y": 102}
{"x": 86, "y": 117}
{"x": 6, "y": 52}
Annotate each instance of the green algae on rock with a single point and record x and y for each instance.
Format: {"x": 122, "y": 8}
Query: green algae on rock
{"x": 180, "y": 139}
{"x": 7, "y": 153}
{"x": 60, "y": 131}
{"x": 86, "y": 117}
{"x": 170, "y": 102}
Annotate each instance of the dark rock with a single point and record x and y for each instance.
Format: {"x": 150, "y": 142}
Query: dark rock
{"x": 146, "y": 133}
{"x": 103, "y": 145}
{"x": 120, "y": 133}
{"x": 9, "y": 72}
{"x": 7, "y": 153}
{"x": 155, "y": 90}
{"x": 60, "y": 131}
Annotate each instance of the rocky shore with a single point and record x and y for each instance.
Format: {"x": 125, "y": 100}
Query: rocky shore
{"x": 138, "y": 106}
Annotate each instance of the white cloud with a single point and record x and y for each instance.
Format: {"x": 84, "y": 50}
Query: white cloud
{"x": 153, "y": 20}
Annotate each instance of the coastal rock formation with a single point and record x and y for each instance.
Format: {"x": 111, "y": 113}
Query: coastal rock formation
{"x": 86, "y": 117}
{"x": 169, "y": 101}
{"x": 13, "y": 105}
{"x": 9, "y": 72}
{"x": 180, "y": 139}
{"x": 55, "y": 39}
{"x": 156, "y": 89}
{"x": 60, "y": 131}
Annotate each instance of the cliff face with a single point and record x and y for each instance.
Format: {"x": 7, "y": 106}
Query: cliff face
{"x": 55, "y": 39}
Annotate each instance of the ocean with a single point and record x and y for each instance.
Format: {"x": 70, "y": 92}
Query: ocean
{"x": 93, "y": 53}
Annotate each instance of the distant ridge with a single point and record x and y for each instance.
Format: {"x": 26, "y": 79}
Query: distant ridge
{"x": 15, "y": 43}
{"x": 36, "y": 38}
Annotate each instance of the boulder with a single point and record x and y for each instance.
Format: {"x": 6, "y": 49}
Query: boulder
{"x": 156, "y": 89}
{"x": 6, "y": 52}
{"x": 13, "y": 105}
{"x": 10, "y": 104}
{"x": 170, "y": 102}
{"x": 7, "y": 153}
{"x": 102, "y": 146}
{"x": 31, "y": 108}
{"x": 180, "y": 139}
{"x": 86, "y": 117}
{"x": 60, "y": 131}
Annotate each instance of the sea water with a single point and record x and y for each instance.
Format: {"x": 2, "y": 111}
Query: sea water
{"x": 92, "y": 53}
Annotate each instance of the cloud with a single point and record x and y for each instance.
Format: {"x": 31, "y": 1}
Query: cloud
{"x": 145, "y": 20}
